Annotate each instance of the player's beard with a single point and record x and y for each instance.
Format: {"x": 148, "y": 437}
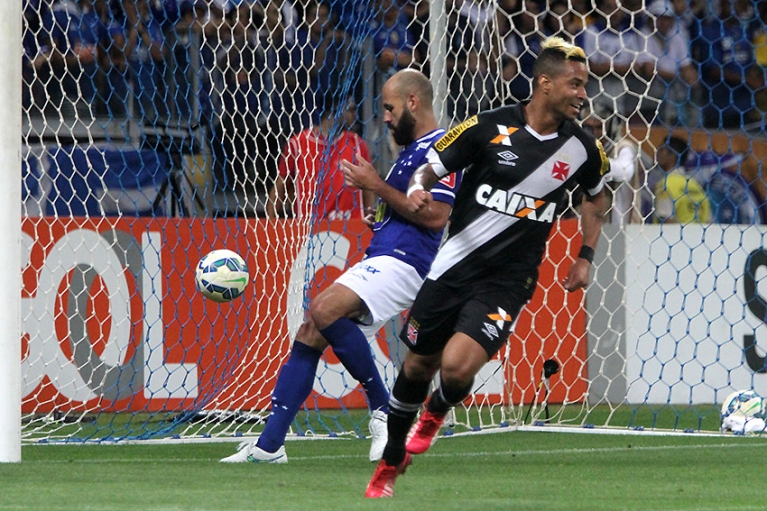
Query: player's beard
{"x": 404, "y": 130}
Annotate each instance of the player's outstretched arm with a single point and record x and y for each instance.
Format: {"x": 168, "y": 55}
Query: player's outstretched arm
{"x": 362, "y": 175}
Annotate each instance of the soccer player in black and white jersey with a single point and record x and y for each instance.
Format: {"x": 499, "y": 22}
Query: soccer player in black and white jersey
{"x": 517, "y": 162}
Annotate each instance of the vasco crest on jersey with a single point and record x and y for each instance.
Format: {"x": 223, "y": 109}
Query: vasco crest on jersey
{"x": 412, "y": 331}
{"x": 560, "y": 170}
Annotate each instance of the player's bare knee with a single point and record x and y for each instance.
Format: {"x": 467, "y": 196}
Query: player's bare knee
{"x": 461, "y": 360}
{"x": 420, "y": 368}
{"x": 322, "y": 313}
{"x": 309, "y": 335}
{"x": 457, "y": 376}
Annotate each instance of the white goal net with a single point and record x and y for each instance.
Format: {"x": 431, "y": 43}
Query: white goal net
{"x": 155, "y": 131}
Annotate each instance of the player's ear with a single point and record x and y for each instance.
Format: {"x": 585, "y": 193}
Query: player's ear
{"x": 412, "y": 102}
{"x": 544, "y": 83}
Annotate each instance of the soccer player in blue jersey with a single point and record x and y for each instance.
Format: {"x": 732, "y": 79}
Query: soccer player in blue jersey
{"x": 378, "y": 288}
{"x": 517, "y": 163}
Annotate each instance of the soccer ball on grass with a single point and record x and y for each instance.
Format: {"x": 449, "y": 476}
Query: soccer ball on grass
{"x": 222, "y": 275}
{"x": 743, "y": 411}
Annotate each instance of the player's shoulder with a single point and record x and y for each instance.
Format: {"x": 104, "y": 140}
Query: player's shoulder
{"x": 594, "y": 149}
{"x": 430, "y": 137}
{"x": 508, "y": 115}
{"x": 572, "y": 128}
{"x": 479, "y": 125}
{"x": 515, "y": 110}
{"x": 422, "y": 145}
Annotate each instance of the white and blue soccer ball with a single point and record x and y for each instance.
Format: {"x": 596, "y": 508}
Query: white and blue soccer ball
{"x": 222, "y": 275}
{"x": 743, "y": 411}
{"x": 746, "y": 403}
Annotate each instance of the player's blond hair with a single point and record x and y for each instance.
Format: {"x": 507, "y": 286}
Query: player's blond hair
{"x": 555, "y": 51}
{"x": 571, "y": 51}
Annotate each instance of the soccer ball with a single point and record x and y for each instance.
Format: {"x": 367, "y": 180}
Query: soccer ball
{"x": 743, "y": 412}
{"x": 746, "y": 403}
{"x": 222, "y": 275}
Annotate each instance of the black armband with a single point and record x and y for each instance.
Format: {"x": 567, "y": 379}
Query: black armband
{"x": 586, "y": 253}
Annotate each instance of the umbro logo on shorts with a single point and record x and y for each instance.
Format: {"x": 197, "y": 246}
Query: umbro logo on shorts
{"x": 490, "y": 331}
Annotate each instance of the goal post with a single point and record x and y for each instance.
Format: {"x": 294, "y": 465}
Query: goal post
{"x": 10, "y": 246}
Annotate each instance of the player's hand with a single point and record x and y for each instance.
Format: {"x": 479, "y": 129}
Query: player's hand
{"x": 361, "y": 175}
{"x": 370, "y": 217}
{"x": 418, "y": 200}
{"x": 578, "y": 275}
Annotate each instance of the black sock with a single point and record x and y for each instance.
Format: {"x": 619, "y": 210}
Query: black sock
{"x": 446, "y": 397}
{"x": 407, "y": 396}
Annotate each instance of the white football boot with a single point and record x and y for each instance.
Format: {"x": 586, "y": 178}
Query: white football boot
{"x": 248, "y": 452}
{"x": 379, "y": 434}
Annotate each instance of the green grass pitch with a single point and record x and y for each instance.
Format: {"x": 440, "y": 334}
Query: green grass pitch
{"x": 505, "y": 471}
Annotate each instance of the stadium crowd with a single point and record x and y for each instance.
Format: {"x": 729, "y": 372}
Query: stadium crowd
{"x": 266, "y": 66}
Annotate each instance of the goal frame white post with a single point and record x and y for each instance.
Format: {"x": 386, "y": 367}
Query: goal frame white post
{"x": 10, "y": 234}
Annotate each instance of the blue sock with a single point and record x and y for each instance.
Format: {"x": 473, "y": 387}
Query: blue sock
{"x": 293, "y": 387}
{"x": 352, "y": 349}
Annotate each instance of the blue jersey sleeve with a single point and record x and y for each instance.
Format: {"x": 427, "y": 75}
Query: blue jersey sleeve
{"x": 394, "y": 235}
